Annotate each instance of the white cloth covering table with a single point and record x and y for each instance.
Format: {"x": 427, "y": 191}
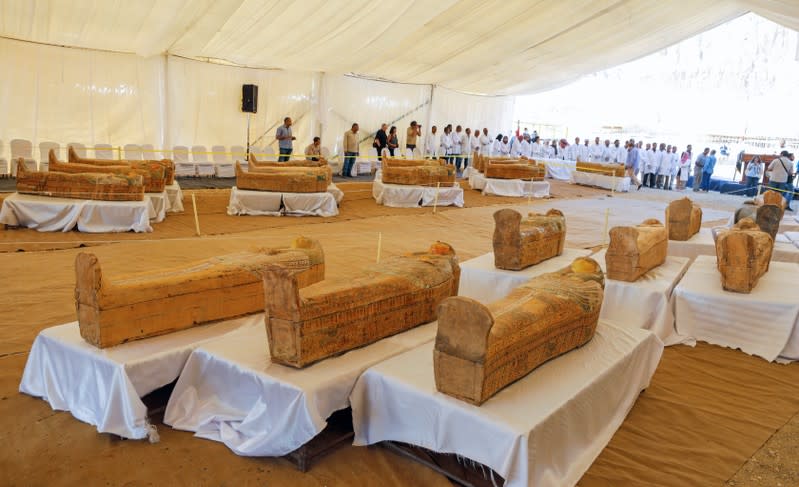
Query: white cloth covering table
{"x": 408, "y": 196}
{"x": 103, "y": 387}
{"x": 558, "y": 168}
{"x": 230, "y": 391}
{"x": 174, "y": 198}
{"x": 761, "y": 323}
{"x": 621, "y": 184}
{"x": 49, "y": 214}
{"x": 702, "y": 243}
{"x": 509, "y": 187}
{"x": 645, "y": 303}
{"x": 544, "y": 430}
{"x": 270, "y": 203}
{"x": 483, "y": 282}
{"x": 158, "y": 204}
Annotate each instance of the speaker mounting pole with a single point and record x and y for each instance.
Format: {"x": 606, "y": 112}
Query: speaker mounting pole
{"x": 248, "y": 137}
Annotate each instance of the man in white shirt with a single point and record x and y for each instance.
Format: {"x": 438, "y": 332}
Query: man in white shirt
{"x": 664, "y": 167}
{"x": 431, "y": 143}
{"x": 675, "y": 166}
{"x": 485, "y": 143}
{"x": 504, "y": 147}
{"x": 597, "y": 150}
{"x": 515, "y": 146}
{"x": 525, "y": 148}
{"x": 536, "y": 148}
{"x": 584, "y": 152}
{"x": 457, "y": 147}
{"x": 780, "y": 173}
{"x": 549, "y": 149}
{"x": 475, "y": 142}
{"x": 620, "y": 154}
{"x": 570, "y": 152}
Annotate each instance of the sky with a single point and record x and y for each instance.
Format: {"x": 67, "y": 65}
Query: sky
{"x": 740, "y": 78}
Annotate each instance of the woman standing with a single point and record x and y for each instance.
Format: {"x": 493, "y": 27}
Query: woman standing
{"x": 754, "y": 171}
{"x": 393, "y": 141}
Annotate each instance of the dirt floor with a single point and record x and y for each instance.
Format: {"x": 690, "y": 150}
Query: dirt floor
{"x": 711, "y": 416}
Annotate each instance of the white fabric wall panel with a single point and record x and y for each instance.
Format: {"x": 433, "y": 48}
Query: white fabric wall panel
{"x": 346, "y": 99}
{"x": 204, "y": 104}
{"x": 473, "y": 111}
{"x": 65, "y": 95}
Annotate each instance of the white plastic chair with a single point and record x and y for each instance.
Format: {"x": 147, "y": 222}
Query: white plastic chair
{"x": 24, "y": 149}
{"x": 3, "y": 163}
{"x": 132, "y": 152}
{"x": 238, "y": 153}
{"x": 335, "y": 165}
{"x": 104, "y": 151}
{"x": 223, "y": 168}
{"x": 199, "y": 155}
{"x": 44, "y": 154}
{"x": 80, "y": 149}
{"x": 183, "y": 167}
{"x": 148, "y": 153}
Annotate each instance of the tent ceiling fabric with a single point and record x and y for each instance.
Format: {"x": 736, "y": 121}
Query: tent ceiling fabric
{"x": 482, "y": 46}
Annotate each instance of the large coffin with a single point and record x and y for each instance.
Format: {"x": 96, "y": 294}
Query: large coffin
{"x": 143, "y": 305}
{"x": 255, "y": 163}
{"x": 392, "y": 162}
{"x": 774, "y": 198}
{"x": 84, "y": 186}
{"x": 616, "y": 170}
{"x": 515, "y": 171}
{"x": 743, "y": 254}
{"x": 153, "y": 175}
{"x": 634, "y": 251}
{"x": 683, "y": 219}
{"x": 167, "y": 164}
{"x": 337, "y": 315}
{"x": 522, "y": 242}
{"x": 284, "y": 179}
{"x": 433, "y": 175}
{"x": 481, "y": 349}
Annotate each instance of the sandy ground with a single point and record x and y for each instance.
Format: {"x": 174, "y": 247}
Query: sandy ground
{"x": 710, "y": 416}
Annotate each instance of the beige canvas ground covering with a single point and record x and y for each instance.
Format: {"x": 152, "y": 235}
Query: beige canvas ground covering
{"x": 706, "y": 412}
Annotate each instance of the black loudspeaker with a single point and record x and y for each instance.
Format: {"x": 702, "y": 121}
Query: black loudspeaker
{"x": 249, "y": 98}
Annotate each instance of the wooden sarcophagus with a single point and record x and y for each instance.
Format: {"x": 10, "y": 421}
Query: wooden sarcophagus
{"x": 84, "y": 186}
{"x": 284, "y": 179}
{"x": 255, "y": 163}
{"x": 390, "y": 161}
{"x": 616, "y": 170}
{"x": 143, "y": 305}
{"x": 515, "y": 171}
{"x": 522, "y": 242}
{"x": 634, "y": 251}
{"x": 743, "y": 254}
{"x": 481, "y": 349}
{"x": 337, "y": 315}
{"x": 774, "y": 198}
{"x": 683, "y": 219}
{"x": 420, "y": 175}
{"x": 147, "y": 164}
{"x": 153, "y": 177}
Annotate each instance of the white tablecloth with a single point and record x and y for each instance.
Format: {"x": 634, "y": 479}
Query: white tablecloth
{"x": 157, "y": 208}
{"x": 509, "y": 187}
{"x": 543, "y": 430}
{"x": 702, "y": 244}
{"x": 645, "y": 303}
{"x": 230, "y": 392}
{"x": 600, "y": 180}
{"x": 174, "y": 197}
{"x": 406, "y": 196}
{"x": 246, "y": 202}
{"x": 103, "y": 387}
{"x": 761, "y": 323}
{"x": 481, "y": 281}
{"x": 47, "y": 214}
{"x": 559, "y": 169}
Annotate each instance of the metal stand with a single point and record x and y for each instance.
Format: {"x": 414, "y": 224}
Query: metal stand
{"x": 247, "y": 156}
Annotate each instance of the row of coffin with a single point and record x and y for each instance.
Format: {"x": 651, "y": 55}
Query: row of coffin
{"x": 479, "y": 349}
{"x": 530, "y": 169}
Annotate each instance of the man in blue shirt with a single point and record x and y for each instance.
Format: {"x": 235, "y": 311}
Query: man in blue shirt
{"x": 631, "y": 165}
{"x": 284, "y": 139}
{"x": 710, "y": 163}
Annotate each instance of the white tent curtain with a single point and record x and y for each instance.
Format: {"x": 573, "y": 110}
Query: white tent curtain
{"x": 204, "y": 104}
{"x": 370, "y": 103}
{"x": 66, "y": 95}
{"x": 473, "y": 111}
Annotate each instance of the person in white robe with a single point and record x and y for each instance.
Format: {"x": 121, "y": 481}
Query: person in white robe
{"x": 431, "y": 143}
{"x": 597, "y": 150}
{"x": 514, "y": 146}
{"x": 584, "y": 152}
{"x": 504, "y": 147}
{"x": 485, "y": 143}
{"x": 525, "y": 148}
{"x": 608, "y": 153}
{"x": 537, "y": 149}
{"x": 674, "y": 161}
{"x": 457, "y": 147}
{"x": 620, "y": 156}
{"x": 475, "y": 141}
{"x": 664, "y": 167}
{"x": 571, "y": 152}
{"x": 445, "y": 144}
{"x": 549, "y": 149}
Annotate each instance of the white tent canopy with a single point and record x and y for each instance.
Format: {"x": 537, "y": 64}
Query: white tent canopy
{"x": 132, "y": 81}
